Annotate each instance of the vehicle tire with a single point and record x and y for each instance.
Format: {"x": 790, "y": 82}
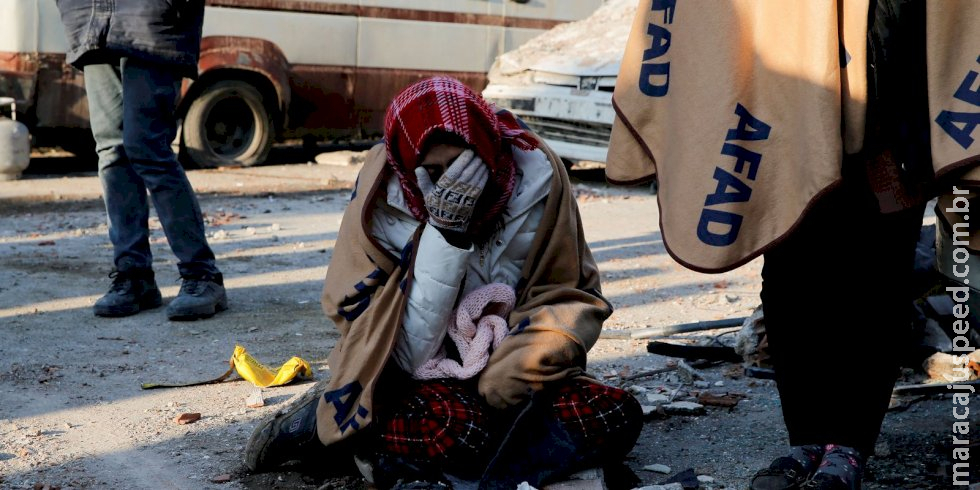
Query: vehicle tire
{"x": 228, "y": 124}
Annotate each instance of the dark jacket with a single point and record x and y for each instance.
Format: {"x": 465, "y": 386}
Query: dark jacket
{"x": 162, "y": 31}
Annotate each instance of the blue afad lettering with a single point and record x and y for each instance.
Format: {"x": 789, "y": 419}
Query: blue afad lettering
{"x": 655, "y": 76}
{"x": 730, "y": 187}
{"x": 960, "y": 125}
{"x": 343, "y": 400}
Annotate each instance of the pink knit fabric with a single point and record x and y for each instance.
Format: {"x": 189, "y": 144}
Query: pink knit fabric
{"x": 479, "y": 323}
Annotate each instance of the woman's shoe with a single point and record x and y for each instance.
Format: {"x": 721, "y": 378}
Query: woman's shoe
{"x": 788, "y": 472}
{"x": 840, "y": 469}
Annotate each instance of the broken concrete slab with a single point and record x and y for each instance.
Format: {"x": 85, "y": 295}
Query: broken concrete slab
{"x": 684, "y": 408}
{"x": 658, "y": 468}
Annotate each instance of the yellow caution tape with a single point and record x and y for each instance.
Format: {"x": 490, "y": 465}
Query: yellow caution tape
{"x": 252, "y": 370}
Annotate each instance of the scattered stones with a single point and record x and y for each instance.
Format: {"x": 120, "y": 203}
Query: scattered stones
{"x": 705, "y": 479}
{"x": 701, "y": 384}
{"x": 225, "y": 478}
{"x": 658, "y": 468}
{"x": 688, "y": 374}
{"x": 657, "y": 398}
{"x": 719, "y": 383}
{"x": 187, "y": 418}
{"x": 649, "y": 410}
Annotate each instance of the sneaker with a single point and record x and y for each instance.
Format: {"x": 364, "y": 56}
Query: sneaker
{"x": 200, "y": 296}
{"x": 789, "y": 472}
{"x": 132, "y": 291}
{"x": 288, "y": 435}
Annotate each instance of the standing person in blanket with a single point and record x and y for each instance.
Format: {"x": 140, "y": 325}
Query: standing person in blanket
{"x": 811, "y": 134}
{"x": 466, "y": 298}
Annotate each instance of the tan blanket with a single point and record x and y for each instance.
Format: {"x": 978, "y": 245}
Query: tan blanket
{"x": 743, "y": 109}
{"x": 953, "y": 29}
{"x": 558, "y": 316}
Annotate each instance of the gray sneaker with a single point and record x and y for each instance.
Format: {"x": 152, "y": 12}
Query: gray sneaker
{"x": 132, "y": 291}
{"x": 287, "y": 435}
{"x": 200, "y": 296}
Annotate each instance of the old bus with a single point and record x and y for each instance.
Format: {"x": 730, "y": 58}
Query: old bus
{"x": 274, "y": 69}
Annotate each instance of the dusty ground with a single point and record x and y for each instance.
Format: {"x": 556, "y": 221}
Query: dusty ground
{"x": 72, "y": 413}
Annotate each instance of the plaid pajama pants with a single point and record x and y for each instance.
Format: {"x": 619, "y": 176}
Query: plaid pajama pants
{"x": 446, "y": 421}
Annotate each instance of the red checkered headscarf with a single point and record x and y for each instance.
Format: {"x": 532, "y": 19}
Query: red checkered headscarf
{"x": 444, "y": 105}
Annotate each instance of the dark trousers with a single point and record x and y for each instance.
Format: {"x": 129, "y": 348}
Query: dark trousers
{"x": 132, "y": 104}
{"x": 836, "y": 298}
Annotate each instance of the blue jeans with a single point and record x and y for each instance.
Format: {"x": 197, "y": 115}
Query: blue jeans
{"x": 131, "y": 106}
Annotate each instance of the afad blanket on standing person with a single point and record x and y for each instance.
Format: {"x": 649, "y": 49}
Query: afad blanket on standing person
{"x": 556, "y": 320}
{"x": 744, "y": 109}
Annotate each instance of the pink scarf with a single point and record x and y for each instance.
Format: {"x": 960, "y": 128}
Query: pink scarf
{"x": 488, "y": 307}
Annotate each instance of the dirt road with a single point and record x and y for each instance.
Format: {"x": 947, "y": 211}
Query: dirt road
{"x": 72, "y": 413}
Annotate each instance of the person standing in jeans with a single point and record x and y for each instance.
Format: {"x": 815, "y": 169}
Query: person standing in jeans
{"x": 134, "y": 54}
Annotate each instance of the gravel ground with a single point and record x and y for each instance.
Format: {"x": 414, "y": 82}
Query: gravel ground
{"x": 72, "y": 414}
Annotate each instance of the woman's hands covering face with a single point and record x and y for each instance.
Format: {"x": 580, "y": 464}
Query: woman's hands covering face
{"x": 451, "y": 200}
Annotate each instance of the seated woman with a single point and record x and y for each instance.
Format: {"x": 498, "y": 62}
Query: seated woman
{"x": 466, "y": 298}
